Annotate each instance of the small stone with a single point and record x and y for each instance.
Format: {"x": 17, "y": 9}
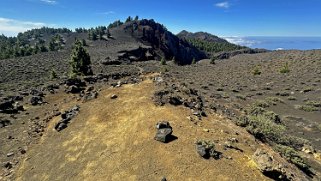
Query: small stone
{"x": 8, "y": 165}
{"x": 10, "y": 154}
{"x": 114, "y": 96}
{"x": 164, "y": 179}
{"x": 206, "y": 130}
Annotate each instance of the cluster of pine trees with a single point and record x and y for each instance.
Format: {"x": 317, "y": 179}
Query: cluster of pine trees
{"x": 214, "y": 47}
{"x": 31, "y": 42}
{"x": 98, "y": 33}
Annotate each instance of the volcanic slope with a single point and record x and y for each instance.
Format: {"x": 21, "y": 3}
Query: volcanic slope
{"x": 113, "y": 139}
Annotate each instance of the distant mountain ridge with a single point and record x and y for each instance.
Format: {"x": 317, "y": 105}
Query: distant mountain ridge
{"x": 209, "y": 43}
{"x": 201, "y": 36}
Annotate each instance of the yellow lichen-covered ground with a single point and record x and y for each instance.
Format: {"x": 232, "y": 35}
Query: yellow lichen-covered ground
{"x": 112, "y": 139}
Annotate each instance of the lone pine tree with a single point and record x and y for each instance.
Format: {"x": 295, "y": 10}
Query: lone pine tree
{"x": 80, "y": 60}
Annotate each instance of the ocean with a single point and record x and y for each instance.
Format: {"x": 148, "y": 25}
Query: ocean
{"x": 278, "y": 43}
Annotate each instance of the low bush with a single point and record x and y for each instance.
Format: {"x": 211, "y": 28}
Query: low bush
{"x": 306, "y": 108}
{"x": 264, "y": 129}
{"x": 291, "y": 98}
{"x": 261, "y": 103}
{"x": 256, "y": 71}
{"x": 292, "y": 156}
{"x": 285, "y": 69}
{"x": 274, "y": 100}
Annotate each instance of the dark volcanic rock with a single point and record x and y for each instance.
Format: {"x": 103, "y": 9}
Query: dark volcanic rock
{"x": 108, "y": 61}
{"x": 76, "y": 82}
{"x": 5, "y": 123}
{"x": 175, "y": 100}
{"x": 6, "y": 106}
{"x": 164, "y": 132}
{"x": 35, "y": 100}
{"x": 35, "y": 92}
{"x": 66, "y": 118}
{"x": 162, "y": 42}
{"x": 73, "y": 89}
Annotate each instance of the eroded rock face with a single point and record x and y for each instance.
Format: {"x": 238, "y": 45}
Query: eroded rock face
{"x": 163, "y": 43}
{"x": 276, "y": 168}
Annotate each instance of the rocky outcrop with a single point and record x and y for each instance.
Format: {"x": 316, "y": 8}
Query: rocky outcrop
{"x": 271, "y": 165}
{"x": 162, "y": 42}
{"x": 66, "y": 118}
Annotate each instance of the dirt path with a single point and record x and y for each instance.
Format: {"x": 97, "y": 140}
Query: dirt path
{"x": 113, "y": 140}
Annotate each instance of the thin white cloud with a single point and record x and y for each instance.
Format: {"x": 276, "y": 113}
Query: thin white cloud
{"x": 52, "y": 2}
{"x": 243, "y": 41}
{"x": 224, "y": 5}
{"x": 106, "y": 13}
{"x": 11, "y": 27}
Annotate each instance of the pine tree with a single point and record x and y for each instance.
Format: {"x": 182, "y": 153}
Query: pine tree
{"x": 129, "y": 19}
{"x": 80, "y": 60}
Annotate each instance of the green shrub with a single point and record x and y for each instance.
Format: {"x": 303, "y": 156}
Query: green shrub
{"x": 240, "y": 96}
{"x": 256, "y": 71}
{"x": 292, "y": 156}
{"x": 213, "y": 59}
{"x": 274, "y": 100}
{"x": 306, "y": 108}
{"x": 285, "y": 69}
{"x": 293, "y": 142}
{"x": 261, "y": 103}
{"x": 242, "y": 121}
{"x": 163, "y": 61}
{"x": 255, "y": 110}
{"x": 53, "y": 74}
{"x": 193, "y": 61}
{"x": 265, "y": 129}
{"x": 291, "y": 98}
{"x": 313, "y": 103}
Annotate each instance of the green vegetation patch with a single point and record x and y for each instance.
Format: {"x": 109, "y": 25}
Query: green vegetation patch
{"x": 292, "y": 156}
{"x": 214, "y": 47}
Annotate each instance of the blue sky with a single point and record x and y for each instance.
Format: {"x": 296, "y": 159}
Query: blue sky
{"x": 220, "y": 17}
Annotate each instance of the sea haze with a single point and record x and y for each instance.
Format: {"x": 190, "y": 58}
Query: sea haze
{"x": 277, "y": 43}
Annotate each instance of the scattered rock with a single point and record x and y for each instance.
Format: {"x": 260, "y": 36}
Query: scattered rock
{"x": 175, "y": 100}
{"x": 66, "y": 118}
{"x": 206, "y": 130}
{"x": 73, "y": 89}
{"x": 108, "y": 61}
{"x": 10, "y": 154}
{"x": 206, "y": 149}
{"x": 5, "y": 123}
{"x": 164, "y": 179}
{"x": 35, "y": 92}
{"x": 308, "y": 149}
{"x": 35, "y": 100}
{"x": 114, "y": 96}
{"x": 164, "y": 132}
{"x": 6, "y": 106}
{"x": 7, "y": 165}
